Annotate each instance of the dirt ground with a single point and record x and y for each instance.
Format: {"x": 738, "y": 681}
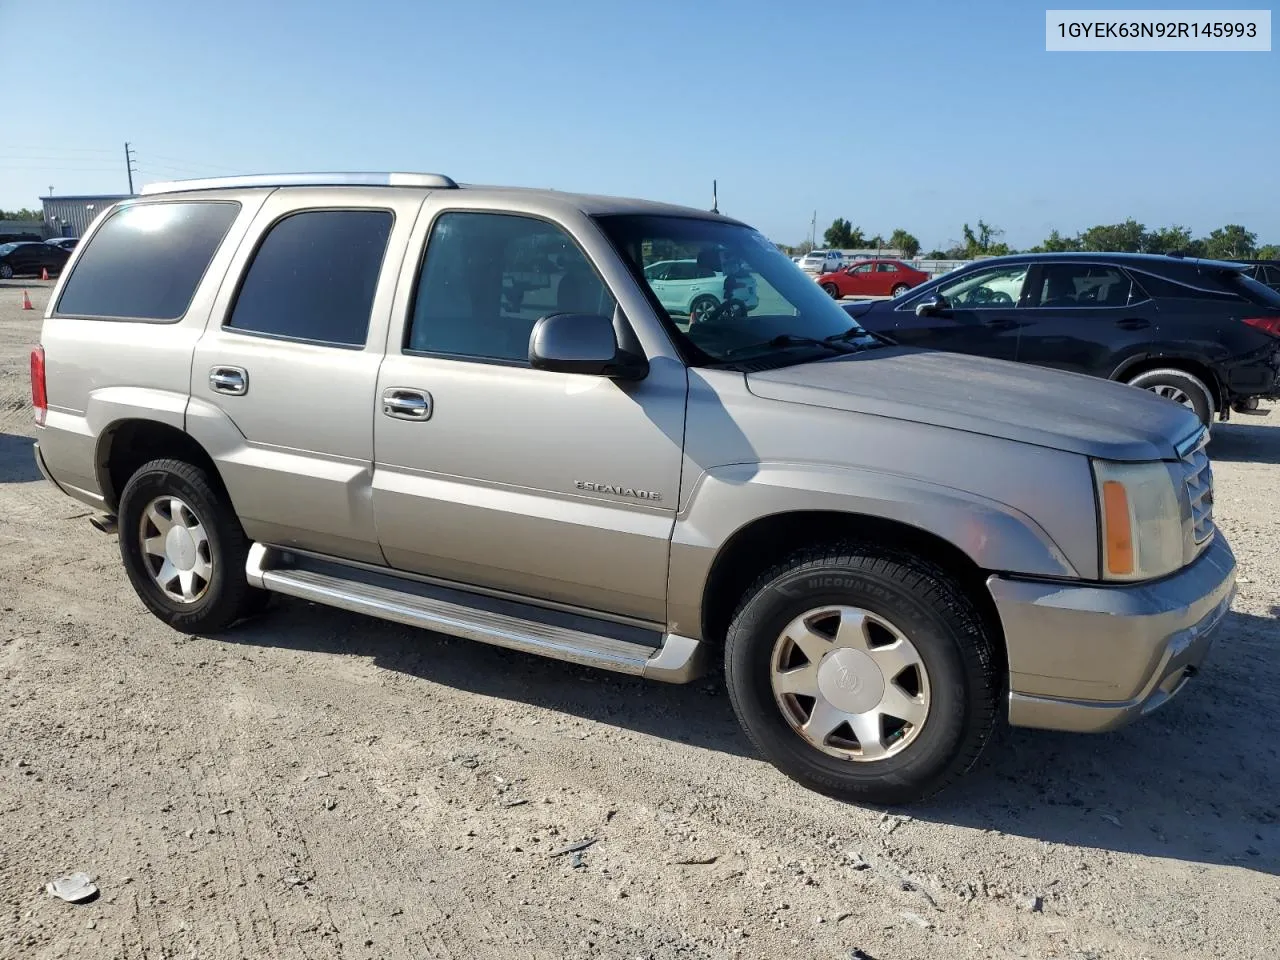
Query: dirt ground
{"x": 318, "y": 785}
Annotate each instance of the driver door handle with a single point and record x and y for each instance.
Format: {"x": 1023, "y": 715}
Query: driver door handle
{"x": 406, "y": 403}
{"x": 1000, "y": 323}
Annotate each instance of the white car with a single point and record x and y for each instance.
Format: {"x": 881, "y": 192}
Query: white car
{"x": 822, "y": 261}
{"x": 687, "y": 288}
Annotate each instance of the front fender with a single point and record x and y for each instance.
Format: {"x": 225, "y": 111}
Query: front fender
{"x": 994, "y": 535}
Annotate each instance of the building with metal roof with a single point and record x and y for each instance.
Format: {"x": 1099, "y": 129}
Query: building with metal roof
{"x": 70, "y": 216}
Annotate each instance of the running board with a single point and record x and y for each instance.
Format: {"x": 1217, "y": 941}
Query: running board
{"x": 667, "y": 657}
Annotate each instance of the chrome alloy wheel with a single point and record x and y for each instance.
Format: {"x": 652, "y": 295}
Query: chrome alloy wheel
{"x": 850, "y": 683}
{"x": 1170, "y": 392}
{"x": 176, "y": 549}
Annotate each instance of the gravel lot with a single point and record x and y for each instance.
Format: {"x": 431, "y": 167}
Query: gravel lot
{"x": 318, "y": 785}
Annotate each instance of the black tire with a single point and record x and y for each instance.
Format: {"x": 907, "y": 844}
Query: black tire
{"x": 832, "y": 290}
{"x": 943, "y": 625}
{"x": 899, "y": 290}
{"x": 227, "y": 596}
{"x": 1172, "y": 380}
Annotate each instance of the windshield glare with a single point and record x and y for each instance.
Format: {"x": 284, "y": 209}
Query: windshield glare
{"x": 755, "y": 293}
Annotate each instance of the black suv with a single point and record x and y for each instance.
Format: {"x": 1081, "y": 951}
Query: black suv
{"x": 1201, "y": 332}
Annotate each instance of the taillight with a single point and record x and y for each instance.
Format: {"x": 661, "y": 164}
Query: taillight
{"x": 1268, "y": 325}
{"x": 39, "y": 399}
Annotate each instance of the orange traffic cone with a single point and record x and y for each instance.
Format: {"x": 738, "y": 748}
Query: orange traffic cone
{"x": 26, "y": 301}
{"x": 44, "y": 273}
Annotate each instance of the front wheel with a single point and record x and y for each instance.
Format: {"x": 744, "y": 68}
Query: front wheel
{"x": 832, "y": 290}
{"x": 702, "y": 307}
{"x": 6, "y": 272}
{"x": 899, "y": 290}
{"x": 184, "y": 549}
{"x": 863, "y": 673}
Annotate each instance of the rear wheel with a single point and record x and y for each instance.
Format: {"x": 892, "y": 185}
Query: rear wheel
{"x": 863, "y": 673}
{"x": 184, "y": 549}
{"x": 832, "y": 290}
{"x": 1180, "y": 387}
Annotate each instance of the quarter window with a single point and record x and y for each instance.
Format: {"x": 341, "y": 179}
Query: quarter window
{"x": 146, "y": 260}
{"x": 488, "y": 278}
{"x": 314, "y": 276}
{"x": 1081, "y": 285}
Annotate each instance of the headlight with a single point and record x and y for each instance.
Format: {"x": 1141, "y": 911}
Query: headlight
{"x": 1140, "y": 520}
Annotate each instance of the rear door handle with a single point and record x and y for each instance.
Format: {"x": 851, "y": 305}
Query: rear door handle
{"x": 231, "y": 380}
{"x": 1133, "y": 323}
{"x": 405, "y": 403}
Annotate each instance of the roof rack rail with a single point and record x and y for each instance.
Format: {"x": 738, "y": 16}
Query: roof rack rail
{"x": 438, "y": 180}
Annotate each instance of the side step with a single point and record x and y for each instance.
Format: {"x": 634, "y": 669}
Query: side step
{"x": 577, "y": 639}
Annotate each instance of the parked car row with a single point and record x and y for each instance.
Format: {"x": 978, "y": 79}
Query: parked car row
{"x": 1203, "y": 333}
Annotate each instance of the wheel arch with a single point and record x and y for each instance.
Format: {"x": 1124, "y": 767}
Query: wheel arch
{"x": 766, "y": 540}
{"x": 126, "y": 444}
{"x": 1199, "y": 368}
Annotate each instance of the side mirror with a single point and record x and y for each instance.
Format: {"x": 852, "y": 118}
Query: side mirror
{"x": 931, "y": 306}
{"x": 582, "y": 343}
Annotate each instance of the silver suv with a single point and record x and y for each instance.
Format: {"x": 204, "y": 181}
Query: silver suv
{"x": 465, "y": 409}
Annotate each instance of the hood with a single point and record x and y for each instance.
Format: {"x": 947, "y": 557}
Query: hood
{"x": 1048, "y": 408}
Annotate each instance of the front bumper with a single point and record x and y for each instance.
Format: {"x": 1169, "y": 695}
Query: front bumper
{"x": 1091, "y": 658}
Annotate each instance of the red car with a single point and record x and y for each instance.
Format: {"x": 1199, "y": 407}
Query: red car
{"x": 872, "y": 278}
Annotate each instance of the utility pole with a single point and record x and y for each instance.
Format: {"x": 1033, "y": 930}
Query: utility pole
{"x": 813, "y": 230}
{"x": 715, "y": 201}
{"x": 128, "y": 164}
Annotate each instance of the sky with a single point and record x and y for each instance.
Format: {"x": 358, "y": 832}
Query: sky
{"x": 920, "y": 115}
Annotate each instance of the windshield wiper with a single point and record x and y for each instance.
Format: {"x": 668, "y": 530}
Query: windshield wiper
{"x": 851, "y": 334}
{"x": 791, "y": 340}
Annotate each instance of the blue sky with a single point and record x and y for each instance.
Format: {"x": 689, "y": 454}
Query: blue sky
{"x": 920, "y": 115}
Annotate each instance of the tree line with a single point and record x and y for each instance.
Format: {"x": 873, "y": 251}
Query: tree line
{"x": 1229, "y": 242}
{"x": 30, "y": 216}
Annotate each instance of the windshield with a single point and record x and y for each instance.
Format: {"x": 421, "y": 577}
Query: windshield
{"x": 7, "y": 248}
{"x": 755, "y": 293}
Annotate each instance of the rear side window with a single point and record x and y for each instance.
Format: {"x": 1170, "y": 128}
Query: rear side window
{"x": 1162, "y": 288}
{"x": 314, "y": 276}
{"x": 146, "y": 260}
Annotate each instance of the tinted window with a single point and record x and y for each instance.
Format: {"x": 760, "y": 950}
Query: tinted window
{"x": 314, "y": 276}
{"x": 146, "y": 260}
{"x": 488, "y": 278}
{"x": 1080, "y": 285}
{"x": 1205, "y": 288}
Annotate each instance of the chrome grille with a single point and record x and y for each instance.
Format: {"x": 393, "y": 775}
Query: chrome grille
{"x": 1198, "y": 474}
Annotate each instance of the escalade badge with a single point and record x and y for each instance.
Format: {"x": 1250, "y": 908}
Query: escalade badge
{"x": 593, "y": 487}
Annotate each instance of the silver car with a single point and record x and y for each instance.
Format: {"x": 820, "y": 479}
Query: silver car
{"x": 467, "y": 409}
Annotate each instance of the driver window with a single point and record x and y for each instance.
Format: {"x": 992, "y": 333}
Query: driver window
{"x": 987, "y": 289}
{"x": 486, "y": 280}
{"x": 865, "y": 268}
